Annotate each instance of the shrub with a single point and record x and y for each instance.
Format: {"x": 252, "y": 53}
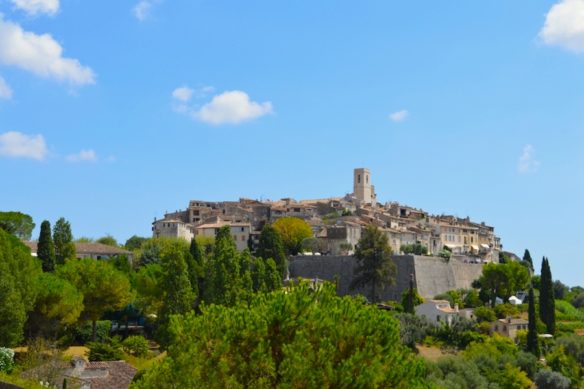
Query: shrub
{"x": 104, "y": 351}
{"x": 136, "y": 345}
{"x": 485, "y": 314}
{"x": 578, "y": 300}
{"x": 82, "y": 333}
{"x": 506, "y": 310}
{"x": 551, "y": 380}
{"x": 6, "y": 359}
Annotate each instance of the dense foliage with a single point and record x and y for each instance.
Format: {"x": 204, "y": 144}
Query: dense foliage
{"x": 293, "y": 231}
{"x": 375, "y": 268}
{"x": 17, "y": 223}
{"x": 18, "y": 273}
{"x": 296, "y": 338}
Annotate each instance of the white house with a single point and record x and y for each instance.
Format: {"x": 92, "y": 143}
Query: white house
{"x": 438, "y": 311}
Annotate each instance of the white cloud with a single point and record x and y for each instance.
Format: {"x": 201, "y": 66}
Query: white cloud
{"x": 18, "y": 145}
{"x": 5, "y": 91}
{"x": 34, "y": 7}
{"x": 40, "y": 54}
{"x": 399, "y": 116}
{"x": 82, "y": 156}
{"x": 143, "y": 9}
{"x": 527, "y": 161}
{"x": 182, "y": 94}
{"x": 231, "y": 107}
{"x": 564, "y": 25}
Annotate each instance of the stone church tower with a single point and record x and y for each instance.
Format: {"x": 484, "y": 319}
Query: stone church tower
{"x": 362, "y": 188}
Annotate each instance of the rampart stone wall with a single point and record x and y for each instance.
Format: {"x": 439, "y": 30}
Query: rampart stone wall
{"x": 432, "y": 275}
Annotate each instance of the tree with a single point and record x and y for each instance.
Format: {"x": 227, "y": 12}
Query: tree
{"x": 546, "y": 378}
{"x": 271, "y": 246}
{"x": 222, "y": 273}
{"x": 375, "y": 268}
{"x": 297, "y": 338}
{"x": 527, "y": 258}
{"x": 104, "y": 288}
{"x": 57, "y": 303}
{"x": 17, "y": 223}
{"x": 134, "y": 242}
{"x": 178, "y": 292}
{"x": 547, "y": 306}
{"x": 63, "y": 239}
{"x": 416, "y": 249}
{"x": 293, "y": 231}
{"x": 196, "y": 267}
{"x": 503, "y": 280}
{"x": 46, "y": 247}
{"x": 108, "y": 240}
{"x": 18, "y": 276}
{"x": 532, "y": 340}
{"x": 411, "y": 298}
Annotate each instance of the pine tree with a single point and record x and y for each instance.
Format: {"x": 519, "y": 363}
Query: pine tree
{"x": 46, "y": 247}
{"x": 547, "y": 305}
{"x": 532, "y": 340}
{"x": 221, "y": 276}
{"x": 271, "y": 246}
{"x": 63, "y": 239}
{"x": 375, "y": 268}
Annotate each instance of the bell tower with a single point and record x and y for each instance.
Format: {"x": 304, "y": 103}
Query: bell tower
{"x": 362, "y": 188}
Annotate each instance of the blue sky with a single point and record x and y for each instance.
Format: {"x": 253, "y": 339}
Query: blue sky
{"x": 112, "y": 113}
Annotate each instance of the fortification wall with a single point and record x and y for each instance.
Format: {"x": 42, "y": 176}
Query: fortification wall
{"x": 432, "y": 275}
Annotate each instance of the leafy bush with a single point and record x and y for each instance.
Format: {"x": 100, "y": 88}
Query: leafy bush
{"x": 565, "y": 311}
{"x": 104, "y": 351}
{"x": 136, "y": 345}
{"x": 485, "y": 314}
{"x": 506, "y": 310}
{"x": 416, "y": 249}
{"x": 578, "y": 300}
{"x": 527, "y": 362}
{"x": 6, "y": 359}
{"x": 547, "y": 379}
{"x": 82, "y": 333}
{"x": 573, "y": 346}
{"x": 413, "y": 329}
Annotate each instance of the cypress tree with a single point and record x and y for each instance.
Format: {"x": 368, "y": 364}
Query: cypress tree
{"x": 547, "y": 306}
{"x": 527, "y": 258}
{"x": 272, "y": 246}
{"x": 46, "y": 247}
{"x": 409, "y": 306}
{"x": 532, "y": 340}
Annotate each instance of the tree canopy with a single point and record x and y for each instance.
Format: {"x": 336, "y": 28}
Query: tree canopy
{"x": 375, "y": 268}
{"x": 46, "y": 247}
{"x": 18, "y": 273}
{"x": 104, "y": 288}
{"x": 63, "y": 240}
{"x": 271, "y": 246}
{"x": 503, "y": 280}
{"x": 17, "y": 223}
{"x": 293, "y": 231}
{"x": 295, "y": 338}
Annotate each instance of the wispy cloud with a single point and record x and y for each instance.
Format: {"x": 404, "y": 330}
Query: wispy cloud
{"x": 527, "y": 162}
{"x": 83, "y": 156}
{"x": 5, "y": 91}
{"x": 15, "y": 144}
{"x": 40, "y": 55}
{"x": 35, "y": 7}
{"x": 143, "y": 9}
{"x": 564, "y": 25}
{"x": 399, "y": 116}
{"x": 182, "y": 94}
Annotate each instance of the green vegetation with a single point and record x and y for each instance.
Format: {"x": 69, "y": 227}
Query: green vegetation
{"x": 547, "y": 310}
{"x": 296, "y": 338}
{"x": 63, "y": 240}
{"x": 293, "y": 231}
{"x": 415, "y": 248}
{"x": 46, "y": 247}
{"x": 375, "y": 267}
{"x": 17, "y": 223}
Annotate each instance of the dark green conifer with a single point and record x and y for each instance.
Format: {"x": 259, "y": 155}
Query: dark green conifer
{"x": 547, "y": 305}
{"x": 532, "y": 340}
{"x": 46, "y": 247}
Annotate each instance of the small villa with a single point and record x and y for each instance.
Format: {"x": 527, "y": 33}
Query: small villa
{"x": 438, "y": 311}
{"x": 509, "y": 327}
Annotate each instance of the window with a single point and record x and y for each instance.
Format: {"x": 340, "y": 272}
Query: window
{"x": 438, "y": 318}
{"x": 366, "y": 179}
{"x": 358, "y": 178}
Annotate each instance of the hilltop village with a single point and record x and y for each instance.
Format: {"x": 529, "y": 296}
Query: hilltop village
{"x": 337, "y": 223}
